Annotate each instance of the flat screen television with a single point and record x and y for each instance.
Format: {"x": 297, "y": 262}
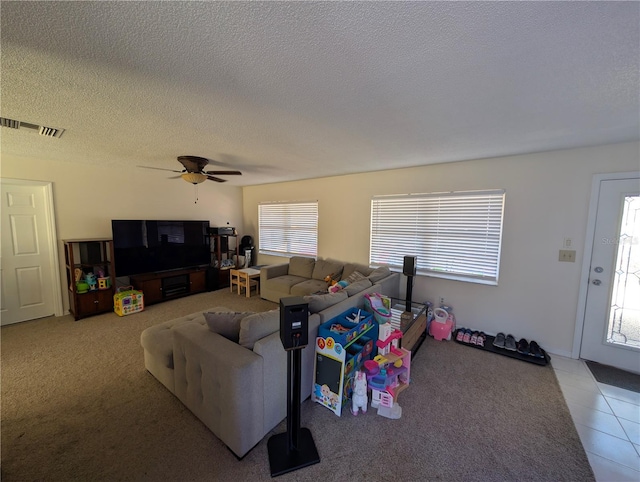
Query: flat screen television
{"x": 151, "y": 246}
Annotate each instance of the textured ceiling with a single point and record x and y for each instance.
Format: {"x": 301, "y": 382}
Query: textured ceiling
{"x": 294, "y": 90}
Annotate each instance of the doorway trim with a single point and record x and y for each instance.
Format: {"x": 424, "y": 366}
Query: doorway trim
{"x": 588, "y": 249}
{"x": 52, "y": 238}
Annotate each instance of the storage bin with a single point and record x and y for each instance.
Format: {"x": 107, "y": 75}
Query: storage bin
{"x": 344, "y": 331}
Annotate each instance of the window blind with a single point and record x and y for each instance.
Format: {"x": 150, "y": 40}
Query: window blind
{"x": 288, "y": 229}
{"x": 454, "y": 235}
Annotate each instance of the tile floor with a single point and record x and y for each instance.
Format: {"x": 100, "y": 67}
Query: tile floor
{"x": 606, "y": 418}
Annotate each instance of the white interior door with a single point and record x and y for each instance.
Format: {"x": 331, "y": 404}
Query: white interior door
{"x": 611, "y": 330}
{"x": 29, "y": 277}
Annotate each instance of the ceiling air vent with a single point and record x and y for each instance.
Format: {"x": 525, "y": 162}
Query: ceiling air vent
{"x": 11, "y": 123}
{"x": 42, "y": 130}
{"x": 50, "y": 131}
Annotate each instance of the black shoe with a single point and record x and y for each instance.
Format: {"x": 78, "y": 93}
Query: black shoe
{"x": 535, "y": 350}
{"x": 523, "y": 347}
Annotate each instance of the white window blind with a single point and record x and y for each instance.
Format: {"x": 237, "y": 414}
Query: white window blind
{"x": 288, "y": 229}
{"x": 454, "y": 235}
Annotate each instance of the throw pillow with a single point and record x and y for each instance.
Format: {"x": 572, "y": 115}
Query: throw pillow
{"x": 355, "y": 276}
{"x": 301, "y": 266}
{"x": 226, "y": 324}
{"x": 318, "y": 303}
{"x": 379, "y": 273}
{"x": 257, "y": 326}
{"x": 358, "y": 286}
{"x": 349, "y": 268}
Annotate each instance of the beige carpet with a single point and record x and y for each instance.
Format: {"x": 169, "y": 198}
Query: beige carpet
{"x": 77, "y": 404}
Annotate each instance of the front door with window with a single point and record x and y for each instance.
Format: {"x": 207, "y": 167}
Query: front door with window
{"x": 611, "y": 330}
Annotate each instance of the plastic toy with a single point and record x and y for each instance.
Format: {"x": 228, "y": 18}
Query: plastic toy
{"x": 442, "y": 325}
{"x": 359, "y": 398}
{"x": 388, "y": 373}
{"x": 92, "y": 281}
{"x": 104, "y": 283}
{"x": 380, "y": 305}
{"x": 329, "y": 279}
{"x": 82, "y": 287}
{"x": 336, "y": 285}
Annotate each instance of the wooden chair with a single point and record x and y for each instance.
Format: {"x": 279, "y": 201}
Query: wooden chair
{"x": 234, "y": 279}
{"x": 246, "y": 282}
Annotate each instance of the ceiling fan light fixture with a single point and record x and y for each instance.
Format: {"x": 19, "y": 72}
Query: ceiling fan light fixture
{"x": 194, "y": 177}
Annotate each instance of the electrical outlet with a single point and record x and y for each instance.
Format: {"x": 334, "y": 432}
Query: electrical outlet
{"x": 441, "y": 300}
{"x": 567, "y": 255}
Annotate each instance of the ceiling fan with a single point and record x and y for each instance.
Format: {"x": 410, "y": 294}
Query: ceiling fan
{"x": 194, "y": 172}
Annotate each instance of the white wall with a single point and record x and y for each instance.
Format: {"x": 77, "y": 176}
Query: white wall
{"x": 547, "y": 197}
{"x": 87, "y": 198}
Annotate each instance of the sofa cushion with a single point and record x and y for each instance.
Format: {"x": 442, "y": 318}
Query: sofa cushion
{"x": 326, "y": 267}
{"x": 379, "y": 273}
{"x": 227, "y": 323}
{"x": 257, "y": 326}
{"x": 301, "y": 266}
{"x": 283, "y": 284}
{"x": 358, "y": 286}
{"x": 318, "y": 303}
{"x": 349, "y": 268}
{"x": 308, "y": 287}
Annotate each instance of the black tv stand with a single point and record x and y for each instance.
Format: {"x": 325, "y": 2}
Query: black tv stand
{"x": 167, "y": 285}
{"x": 175, "y": 285}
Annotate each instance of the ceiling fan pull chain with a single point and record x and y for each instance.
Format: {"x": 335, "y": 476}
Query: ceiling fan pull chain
{"x": 195, "y": 187}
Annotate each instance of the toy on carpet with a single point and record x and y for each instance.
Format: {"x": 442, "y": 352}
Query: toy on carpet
{"x": 443, "y": 324}
{"x": 359, "y": 398}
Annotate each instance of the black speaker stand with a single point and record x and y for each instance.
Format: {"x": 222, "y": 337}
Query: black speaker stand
{"x": 294, "y": 449}
{"x": 409, "y": 303}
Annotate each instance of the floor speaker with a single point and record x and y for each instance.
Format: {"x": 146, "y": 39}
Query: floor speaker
{"x": 409, "y": 266}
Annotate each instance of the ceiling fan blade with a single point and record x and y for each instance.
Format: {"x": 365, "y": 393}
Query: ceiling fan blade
{"x": 193, "y": 163}
{"x": 159, "y": 169}
{"x": 216, "y": 179}
{"x": 224, "y": 173}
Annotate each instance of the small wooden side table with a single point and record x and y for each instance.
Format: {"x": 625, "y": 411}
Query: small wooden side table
{"x": 245, "y": 278}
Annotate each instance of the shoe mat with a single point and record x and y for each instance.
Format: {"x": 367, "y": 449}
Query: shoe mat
{"x": 488, "y": 346}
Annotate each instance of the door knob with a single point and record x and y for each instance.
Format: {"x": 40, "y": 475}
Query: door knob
{"x": 597, "y": 282}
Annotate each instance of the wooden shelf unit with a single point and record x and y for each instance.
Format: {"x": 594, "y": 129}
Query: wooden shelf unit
{"x": 90, "y": 256}
{"x": 223, "y": 247}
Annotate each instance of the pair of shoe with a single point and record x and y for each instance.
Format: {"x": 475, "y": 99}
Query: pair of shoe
{"x": 531, "y": 349}
{"x": 465, "y": 335}
{"x": 507, "y": 342}
{"x": 523, "y": 347}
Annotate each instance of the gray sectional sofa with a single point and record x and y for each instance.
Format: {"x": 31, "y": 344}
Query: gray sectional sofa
{"x": 303, "y": 276}
{"x": 236, "y": 388}
{"x": 231, "y": 370}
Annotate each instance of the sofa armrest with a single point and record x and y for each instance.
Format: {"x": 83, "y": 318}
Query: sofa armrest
{"x": 221, "y": 382}
{"x": 273, "y": 271}
{"x": 275, "y": 379}
{"x": 389, "y": 286}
